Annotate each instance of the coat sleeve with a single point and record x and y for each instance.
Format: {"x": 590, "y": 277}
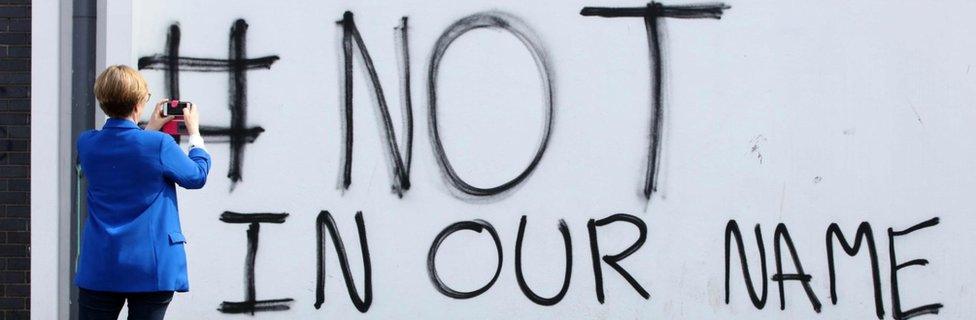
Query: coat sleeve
{"x": 187, "y": 170}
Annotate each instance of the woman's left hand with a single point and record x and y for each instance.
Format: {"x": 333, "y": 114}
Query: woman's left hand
{"x": 157, "y": 120}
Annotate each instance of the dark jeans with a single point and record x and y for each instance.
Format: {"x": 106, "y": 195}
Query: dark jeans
{"x": 104, "y": 305}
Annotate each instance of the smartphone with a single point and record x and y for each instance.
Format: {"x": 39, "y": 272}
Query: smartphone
{"x": 176, "y": 127}
{"x": 175, "y": 108}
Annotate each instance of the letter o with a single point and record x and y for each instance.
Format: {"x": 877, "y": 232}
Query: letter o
{"x": 476, "y": 226}
{"x": 493, "y": 20}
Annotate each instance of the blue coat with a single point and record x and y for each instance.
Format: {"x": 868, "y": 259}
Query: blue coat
{"x": 132, "y": 240}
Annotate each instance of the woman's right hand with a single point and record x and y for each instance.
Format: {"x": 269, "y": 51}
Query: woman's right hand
{"x": 192, "y": 119}
{"x": 157, "y": 120}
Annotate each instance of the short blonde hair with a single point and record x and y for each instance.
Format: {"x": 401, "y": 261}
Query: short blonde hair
{"x": 119, "y": 89}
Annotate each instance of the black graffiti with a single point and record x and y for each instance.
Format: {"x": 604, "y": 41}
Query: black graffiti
{"x": 476, "y": 226}
{"x": 783, "y": 235}
{"x": 236, "y": 65}
{"x": 234, "y": 217}
{"x": 567, "y": 243}
{"x": 895, "y": 267}
{"x": 325, "y": 220}
{"x": 251, "y": 304}
{"x": 652, "y": 14}
{"x": 510, "y": 24}
{"x": 401, "y": 164}
{"x": 863, "y": 235}
{"x": 732, "y": 231}
{"x": 613, "y": 260}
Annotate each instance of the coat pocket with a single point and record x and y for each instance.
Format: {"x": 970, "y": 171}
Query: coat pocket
{"x": 176, "y": 237}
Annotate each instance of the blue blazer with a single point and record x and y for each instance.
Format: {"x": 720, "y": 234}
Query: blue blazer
{"x": 132, "y": 241}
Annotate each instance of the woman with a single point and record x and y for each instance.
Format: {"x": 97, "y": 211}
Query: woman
{"x": 132, "y": 245}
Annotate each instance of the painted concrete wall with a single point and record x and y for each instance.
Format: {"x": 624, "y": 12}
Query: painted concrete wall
{"x": 786, "y": 118}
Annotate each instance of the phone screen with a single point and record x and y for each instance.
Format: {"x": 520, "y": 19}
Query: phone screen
{"x": 175, "y": 108}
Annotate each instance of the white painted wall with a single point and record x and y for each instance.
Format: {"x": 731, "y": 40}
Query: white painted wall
{"x": 802, "y": 113}
{"x": 50, "y": 120}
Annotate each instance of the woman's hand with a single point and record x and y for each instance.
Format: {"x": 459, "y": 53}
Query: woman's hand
{"x": 157, "y": 120}
{"x": 192, "y": 119}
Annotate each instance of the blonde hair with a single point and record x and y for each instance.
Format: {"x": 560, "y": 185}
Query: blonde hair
{"x": 119, "y": 89}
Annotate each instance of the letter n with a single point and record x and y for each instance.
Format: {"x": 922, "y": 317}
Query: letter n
{"x": 732, "y": 231}
{"x": 401, "y": 164}
{"x": 325, "y": 220}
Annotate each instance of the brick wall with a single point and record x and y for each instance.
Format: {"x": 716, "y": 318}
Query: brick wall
{"x": 15, "y": 50}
